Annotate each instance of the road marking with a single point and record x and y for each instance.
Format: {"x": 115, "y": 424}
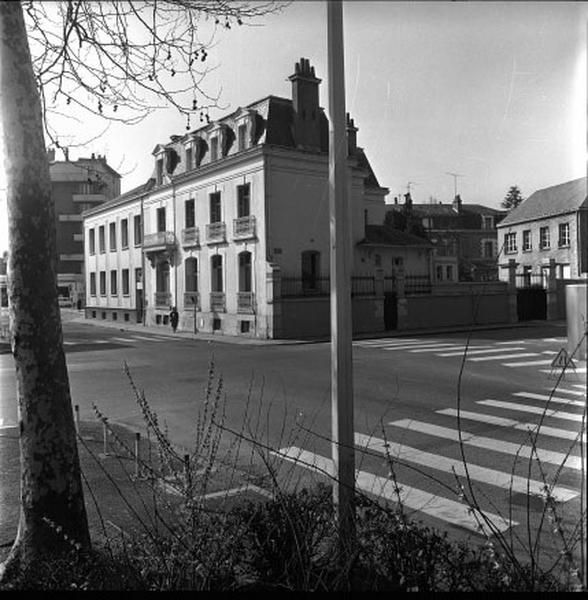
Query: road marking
{"x": 554, "y": 339}
{"x": 107, "y": 364}
{"x": 511, "y": 342}
{"x": 502, "y": 356}
{"x": 547, "y": 398}
{"x": 568, "y": 370}
{"x": 480, "y": 351}
{"x": 385, "y": 341}
{"x": 447, "y": 510}
{"x": 502, "y": 422}
{"x": 558, "y": 414}
{"x": 461, "y": 348}
{"x": 248, "y": 487}
{"x": 152, "y": 338}
{"x": 574, "y": 392}
{"x": 124, "y": 340}
{"x": 69, "y": 343}
{"x": 529, "y": 363}
{"x": 101, "y": 342}
{"x": 438, "y": 345}
{"x": 546, "y": 456}
{"x": 580, "y": 385}
{"x": 499, "y": 479}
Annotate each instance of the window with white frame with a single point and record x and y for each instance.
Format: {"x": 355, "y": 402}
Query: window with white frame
{"x": 527, "y": 240}
{"x": 113, "y": 281}
{"x": 544, "y": 241}
{"x": 92, "y": 241}
{"x": 101, "y": 238}
{"x": 125, "y": 282}
{"x": 103, "y": 283}
{"x": 124, "y": 233}
{"x": 241, "y": 137}
{"x": 510, "y": 243}
{"x": 564, "y": 235}
{"x": 112, "y": 236}
{"x": 214, "y": 148}
{"x": 92, "y": 284}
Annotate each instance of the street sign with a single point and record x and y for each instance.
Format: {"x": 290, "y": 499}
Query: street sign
{"x": 562, "y": 360}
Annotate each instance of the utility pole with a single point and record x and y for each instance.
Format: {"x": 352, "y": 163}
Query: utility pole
{"x": 455, "y": 176}
{"x": 343, "y": 449}
{"x": 409, "y": 184}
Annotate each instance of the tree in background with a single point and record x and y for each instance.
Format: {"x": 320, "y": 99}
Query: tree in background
{"x": 513, "y": 198}
{"x": 113, "y": 59}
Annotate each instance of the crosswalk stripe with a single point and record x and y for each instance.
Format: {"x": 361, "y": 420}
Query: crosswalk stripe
{"x": 561, "y": 390}
{"x": 493, "y": 477}
{"x": 125, "y": 340}
{"x": 445, "y": 509}
{"x": 102, "y": 341}
{"x": 528, "y": 363}
{"x": 546, "y": 456}
{"x": 385, "y": 341}
{"x": 568, "y": 370}
{"x": 439, "y": 345}
{"x": 69, "y": 343}
{"x": 502, "y": 356}
{"x": 503, "y": 422}
{"x": 537, "y": 410}
{"x": 510, "y": 342}
{"x": 436, "y": 349}
{"x": 580, "y": 385}
{"x": 151, "y": 338}
{"x": 556, "y": 399}
{"x": 392, "y": 344}
{"x": 479, "y": 351}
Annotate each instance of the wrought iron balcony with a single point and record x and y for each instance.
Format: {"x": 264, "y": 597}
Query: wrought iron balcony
{"x": 160, "y": 240}
{"x": 217, "y": 301}
{"x": 244, "y": 227}
{"x": 163, "y": 299}
{"x": 245, "y": 302}
{"x": 191, "y": 236}
{"x": 191, "y": 300}
{"x": 216, "y": 232}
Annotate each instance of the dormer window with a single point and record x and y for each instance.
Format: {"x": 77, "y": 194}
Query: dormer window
{"x": 214, "y": 148}
{"x": 189, "y": 164}
{"x": 159, "y": 170}
{"x": 242, "y": 137}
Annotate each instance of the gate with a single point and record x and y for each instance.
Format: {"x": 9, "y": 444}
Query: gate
{"x": 531, "y": 297}
{"x": 390, "y": 311}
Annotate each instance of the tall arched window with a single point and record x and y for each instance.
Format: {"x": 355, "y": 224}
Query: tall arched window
{"x": 245, "y": 271}
{"x": 162, "y": 277}
{"x": 216, "y": 273}
{"x": 311, "y": 269}
{"x": 191, "y": 274}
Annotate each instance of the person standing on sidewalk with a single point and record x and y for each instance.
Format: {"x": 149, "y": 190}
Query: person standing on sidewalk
{"x": 173, "y": 318}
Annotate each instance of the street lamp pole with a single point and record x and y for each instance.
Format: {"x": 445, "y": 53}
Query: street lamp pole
{"x": 343, "y": 451}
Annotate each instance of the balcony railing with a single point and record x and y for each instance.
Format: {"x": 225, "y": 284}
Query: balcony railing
{"x": 216, "y": 232}
{"x": 245, "y": 302}
{"x": 191, "y": 300}
{"x": 190, "y": 236}
{"x": 217, "y": 301}
{"x": 160, "y": 240}
{"x": 163, "y": 299}
{"x": 244, "y": 227}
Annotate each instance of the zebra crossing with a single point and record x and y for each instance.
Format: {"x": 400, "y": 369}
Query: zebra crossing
{"x": 556, "y": 445}
{"x": 129, "y": 339}
{"x": 512, "y": 354}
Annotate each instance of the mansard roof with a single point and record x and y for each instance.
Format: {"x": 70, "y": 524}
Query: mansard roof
{"x": 384, "y": 235}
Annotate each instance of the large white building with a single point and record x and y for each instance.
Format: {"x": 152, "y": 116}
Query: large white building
{"x": 233, "y": 226}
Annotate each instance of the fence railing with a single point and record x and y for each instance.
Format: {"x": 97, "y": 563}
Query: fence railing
{"x": 191, "y": 236}
{"x": 417, "y": 284}
{"x": 159, "y": 239}
{"x": 216, "y": 232}
{"x": 244, "y": 227}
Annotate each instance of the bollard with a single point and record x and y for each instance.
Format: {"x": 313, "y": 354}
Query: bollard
{"x": 77, "y": 418}
{"x": 137, "y": 467}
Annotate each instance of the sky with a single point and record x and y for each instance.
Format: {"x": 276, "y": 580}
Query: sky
{"x": 492, "y": 92}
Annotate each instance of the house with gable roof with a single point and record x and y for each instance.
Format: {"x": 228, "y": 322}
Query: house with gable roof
{"x": 550, "y": 225}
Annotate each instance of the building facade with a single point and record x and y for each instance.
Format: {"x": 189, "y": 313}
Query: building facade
{"x": 464, "y": 236}
{"x": 234, "y": 218}
{"x": 550, "y": 225}
{"x": 75, "y": 187}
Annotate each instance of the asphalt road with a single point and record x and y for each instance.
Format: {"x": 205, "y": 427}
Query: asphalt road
{"x": 406, "y": 391}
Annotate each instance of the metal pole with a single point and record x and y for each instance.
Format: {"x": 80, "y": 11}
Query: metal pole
{"x": 77, "y": 418}
{"x": 343, "y": 450}
{"x": 137, "y": 465}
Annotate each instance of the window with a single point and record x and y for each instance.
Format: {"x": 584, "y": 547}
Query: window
{"x": 101, "y": 238}
{"x": 215, "y": 207}
{"x": 138, "y": 276}
{"x": 190, "y": 214}
{"x": 488, "y": 249}
{"x": 449, "y": 271}
{"x": 487, "y": 222}
{"x": 138, "y": 233}
{"x": 161, "y": 219}
{"x": 214, "y": 148}
{"x": 159, "y": 171}
{"x": 113, "y": 281}
{"x": 92, "y": 241}
{"x": 310, "y": 269}
{"x": 103, "y": 283}
{"x": 243, "y": 200}
{"x": 162, "y": 277}
{"x": 188, "y": 158}
{"x": 112, "y": 236}
{"x": 564, "y": 235}
{"x": 527, "y": 240}
{"x": 544, "y": 242}
{"x": 191, "y": 273}
{"x": 125, "y": 282}
{"x": 245, "y": 272}
{"x": 92, "y": 284}
{"x": 241, "y": 137}
{"x": 439, "y": 272}
{"x": 510, "y": 243}
{"x": 124, "y": 233}
{"x": 216, "y": 272}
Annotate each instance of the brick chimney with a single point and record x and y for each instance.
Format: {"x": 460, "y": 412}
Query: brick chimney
{"x": 457, "y": 204}
{"x": 351, "y": 136}
{"x": 305, "y": 101}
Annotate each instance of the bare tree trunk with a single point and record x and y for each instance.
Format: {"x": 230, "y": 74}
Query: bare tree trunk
{"x": 52, "y": 503}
